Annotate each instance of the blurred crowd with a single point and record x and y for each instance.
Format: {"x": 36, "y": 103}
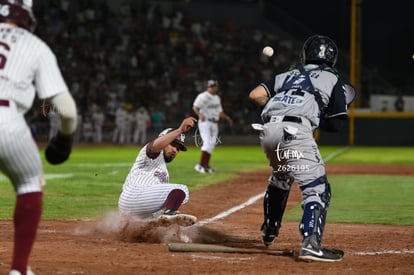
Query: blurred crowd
{"x": 151, "y": 58}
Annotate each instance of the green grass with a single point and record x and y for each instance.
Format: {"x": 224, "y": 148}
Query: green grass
{"x": 376, "y": 155}
{"x": 368, "y": 199}
{"x": 94, "y": 177}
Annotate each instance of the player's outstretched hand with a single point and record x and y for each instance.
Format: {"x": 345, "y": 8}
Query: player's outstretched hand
{"x": 59, "y": 148}
{"x": 187, "y": 124}
{"x": 230, "y": 121}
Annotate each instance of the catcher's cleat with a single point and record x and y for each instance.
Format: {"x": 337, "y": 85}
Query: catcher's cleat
{"x": 335, "y": 251}
{"x": 176, "y": 216}
{"x": 269, "y": 233}
{"x": 310, "y": 252}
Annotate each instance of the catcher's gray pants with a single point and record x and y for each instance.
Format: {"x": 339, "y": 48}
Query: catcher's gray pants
{"x": 292, "y": 151}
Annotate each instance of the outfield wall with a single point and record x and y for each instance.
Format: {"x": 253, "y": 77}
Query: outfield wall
{"x": 383, "y": 132}
{"x": 386, "y": 103}
{"x": 370, "y": 130}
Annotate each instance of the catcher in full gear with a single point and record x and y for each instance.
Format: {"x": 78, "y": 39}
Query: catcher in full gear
{"x": 295, "y": 103}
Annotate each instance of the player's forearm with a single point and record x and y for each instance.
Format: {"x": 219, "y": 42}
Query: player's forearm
{"x": 161, "y": 142}
{"x": 260, "y": 101}
{"x": 259, "y": 96}
{"x": 65, "y": 105}
{"x": 223, "y": 115}
{"x": 196, "y": 111}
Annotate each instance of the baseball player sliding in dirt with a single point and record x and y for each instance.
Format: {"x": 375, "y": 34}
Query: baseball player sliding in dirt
{"x": 295, "y": 103}
{"x": 207, "y": 106}
{"x": 147, "y": 192}
{"x": 27, "y": 66}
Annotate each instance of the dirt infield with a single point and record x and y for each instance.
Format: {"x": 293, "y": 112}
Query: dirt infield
{"x": 110, "y": 245}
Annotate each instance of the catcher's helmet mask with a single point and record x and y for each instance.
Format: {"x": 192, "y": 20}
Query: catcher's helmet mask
{"x": 177, "y": 142}
{"x": 18, "y": 12}
{"x": 319, "y": 49}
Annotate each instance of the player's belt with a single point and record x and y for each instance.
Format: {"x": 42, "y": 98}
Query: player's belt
{"x": 212, "y": 120}
{"x": 5, "y": 103}
{"x": 300, "y": 120}
{"x": 292, "y": 119}
{"x": 284, "y": 118}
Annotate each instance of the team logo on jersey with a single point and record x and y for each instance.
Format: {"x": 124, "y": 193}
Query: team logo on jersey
{"x": 289, "y": 100}
{"x": 162, "y": 176}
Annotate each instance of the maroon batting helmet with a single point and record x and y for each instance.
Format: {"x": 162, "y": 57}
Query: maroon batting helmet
{"x": 19, "y": 12}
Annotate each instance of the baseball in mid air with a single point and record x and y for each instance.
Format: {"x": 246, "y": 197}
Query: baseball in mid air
{"x": 268, "y": 51}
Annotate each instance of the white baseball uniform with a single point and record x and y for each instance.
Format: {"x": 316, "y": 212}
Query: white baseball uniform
{"x": 27, "y": 66}
{"x": 210, "y": 106}
{"x": 141, "y": 125}
{"x": 98, "y": 118}
{"x": 147, "y": 186}
{"x": 121, "y": 121}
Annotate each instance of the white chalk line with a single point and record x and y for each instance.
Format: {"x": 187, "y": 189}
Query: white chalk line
{"x": 231, "y": 210}
{"x": 362, "y": 253}
{"x": 374, "y": 253}
{"x": 336, "y": 153}
{"x": 91, "y": 164}
{"x": 48, "y": 176}
{"x": 88, "y": 164}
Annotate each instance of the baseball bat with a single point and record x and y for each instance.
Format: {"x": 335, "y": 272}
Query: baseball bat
{"x": 199, "y": 247}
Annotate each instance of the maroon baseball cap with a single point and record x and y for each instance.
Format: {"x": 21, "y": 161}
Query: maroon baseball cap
{"x": 178, "y": 141}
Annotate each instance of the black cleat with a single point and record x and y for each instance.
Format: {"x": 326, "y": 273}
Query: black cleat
{"x": 310, "y": 252}
{"x": 269, "y": 233}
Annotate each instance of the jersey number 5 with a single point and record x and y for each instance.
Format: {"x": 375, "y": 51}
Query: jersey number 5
{"x": 3, "y": 57}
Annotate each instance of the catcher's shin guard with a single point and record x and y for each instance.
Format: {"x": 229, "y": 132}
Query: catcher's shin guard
{"x": 313, "y": 221}
{"x": 314, "y": 211}
{"x": 274, "y": 205}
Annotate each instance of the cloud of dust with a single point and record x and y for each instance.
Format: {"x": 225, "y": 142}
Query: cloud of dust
{"x": 133, "y": 229}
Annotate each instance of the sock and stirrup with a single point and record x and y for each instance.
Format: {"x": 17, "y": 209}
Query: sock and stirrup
{"x": 174, "y": 199}
{"x": 27, "y": 213}
{"x": 205, "y": 159}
